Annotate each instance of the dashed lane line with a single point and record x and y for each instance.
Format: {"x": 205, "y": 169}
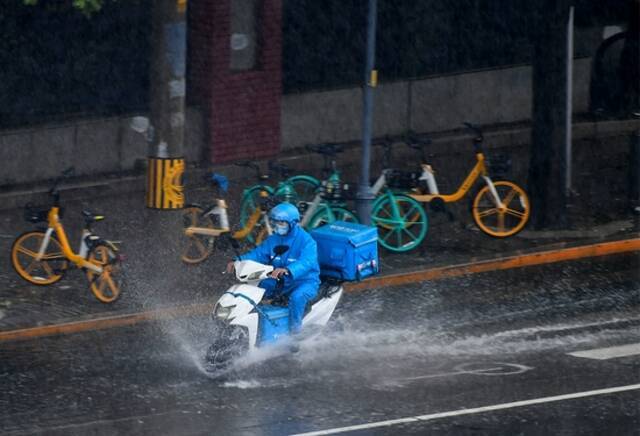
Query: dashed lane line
{"x": 609, "y": 352}
{"x": 503, "y": 406}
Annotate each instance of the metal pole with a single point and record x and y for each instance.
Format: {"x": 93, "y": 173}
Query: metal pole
{"x": 634, "y": 173}
{"x": 365, "y": 196}
{"x": 569, "y": 106}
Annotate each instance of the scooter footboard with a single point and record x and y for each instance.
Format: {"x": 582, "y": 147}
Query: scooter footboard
{"x": 321, "y": 309}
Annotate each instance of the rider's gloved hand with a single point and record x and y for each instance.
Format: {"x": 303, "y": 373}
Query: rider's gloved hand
{"x": 279, "y": 272}
{"x": 230, "y": 267}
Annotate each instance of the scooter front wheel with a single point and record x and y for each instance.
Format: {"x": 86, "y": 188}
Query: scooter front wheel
{"x": 230, "y": 343}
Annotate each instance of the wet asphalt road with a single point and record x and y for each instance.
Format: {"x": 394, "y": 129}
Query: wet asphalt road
{"x": 488, "y": 339}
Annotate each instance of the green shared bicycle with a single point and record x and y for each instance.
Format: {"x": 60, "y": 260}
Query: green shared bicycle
{"x": 329, "y": 203}
{"x": 291, "y": 189}
{"x": 401, "y": 220}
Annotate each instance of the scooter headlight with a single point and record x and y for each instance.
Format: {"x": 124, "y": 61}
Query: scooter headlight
{"x": 223, "y": 312}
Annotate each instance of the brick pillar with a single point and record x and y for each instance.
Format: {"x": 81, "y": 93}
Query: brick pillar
{"x": 242, "y": 107}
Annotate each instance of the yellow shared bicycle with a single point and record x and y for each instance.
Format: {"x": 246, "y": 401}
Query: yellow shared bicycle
{"x": 43, "y": 256}
{"x": 500, "y": 208}
{"x": 204, "y": 227}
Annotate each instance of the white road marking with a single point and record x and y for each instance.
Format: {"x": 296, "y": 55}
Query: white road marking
{"x": 478, "y": 369}
{"x": 473, "y": 411}
{"x": 609, "y": 352}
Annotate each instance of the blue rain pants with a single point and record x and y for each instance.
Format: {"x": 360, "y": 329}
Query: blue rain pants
{"x": 299, "y": 293}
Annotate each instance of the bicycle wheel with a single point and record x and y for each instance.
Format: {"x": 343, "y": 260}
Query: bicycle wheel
{"x": 323, "y": 216}
{"x": 250, "y": 201}
{"x": 304, "y": 186}
{"x": 46, "y": 271}
{"x": 501, "y": 222}
{"x": 261, "y": 235}
{"x": 105, "y": 285}
{"x": 402, "y": 222}
{"x": 196, "y": 248}
{"x": 254, "y": 231}
{"x": 285, "y": 193}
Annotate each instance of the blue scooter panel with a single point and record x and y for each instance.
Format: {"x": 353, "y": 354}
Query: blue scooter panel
{"x": 274, "y": 323}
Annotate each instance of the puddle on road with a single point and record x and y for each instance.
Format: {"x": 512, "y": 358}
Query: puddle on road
{"x": 371, "y": 338}
{"x": 374, "y": 353}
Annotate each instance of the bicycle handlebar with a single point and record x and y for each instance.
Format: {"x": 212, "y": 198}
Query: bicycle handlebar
{"x": 249, "y": 164}
{"x": 412, "y": 140}
{"x": 326, "y": 149}
{"x": 282, "y": 169}
{"x": 68, "y": 172}
{"x": 274, "y": 166}
{"x": 387, "y": 143}
{"x": 477, "y": 141}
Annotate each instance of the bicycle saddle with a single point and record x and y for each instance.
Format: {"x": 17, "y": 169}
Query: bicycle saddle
{"x": 249, "y": 164}
{"x": 91, "y": 217}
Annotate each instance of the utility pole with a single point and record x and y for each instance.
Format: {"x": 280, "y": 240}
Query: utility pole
{"x": 548, "y": 166}
{"x": 569, "y": 108}
{"x": 365, "y": 196}
{"x": 167, "y": 95}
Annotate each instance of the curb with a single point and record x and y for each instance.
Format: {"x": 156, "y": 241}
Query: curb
{"x": 497, "y": 264}
{"x": 503, "y": 263}
{"x": 603, "y": 230}
{"x": 121, "y": 320}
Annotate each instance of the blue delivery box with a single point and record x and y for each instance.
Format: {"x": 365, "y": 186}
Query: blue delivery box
{"x": 347, "y": 251}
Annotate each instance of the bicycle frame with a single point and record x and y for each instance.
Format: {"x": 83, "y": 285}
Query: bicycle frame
{"x": 380, "y": 183}
{"x": 319, "y": 201}
{"x": 55, "y": 225}
{"x": 479, "y": 170}
{"x": 220, "y": 210}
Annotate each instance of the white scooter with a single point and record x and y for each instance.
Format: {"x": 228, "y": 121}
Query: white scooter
{"x": 244, "y": 322}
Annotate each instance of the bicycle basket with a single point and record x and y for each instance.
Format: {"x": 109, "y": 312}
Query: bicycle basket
{"x": 499, "y": 165}
{"x": 398, "y": 179}
{"x": 35, "y": 214}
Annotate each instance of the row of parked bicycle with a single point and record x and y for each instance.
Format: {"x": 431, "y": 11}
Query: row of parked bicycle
{"x": 500, "y": 208}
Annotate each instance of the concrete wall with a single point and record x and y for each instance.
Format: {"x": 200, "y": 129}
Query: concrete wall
{"x": 92, "y": 146}
{"x": 432, "y": 105}
{"x": 426, "y": 105}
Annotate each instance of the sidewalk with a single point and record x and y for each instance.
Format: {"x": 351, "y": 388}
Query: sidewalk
{"x": 156, "y": 278}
